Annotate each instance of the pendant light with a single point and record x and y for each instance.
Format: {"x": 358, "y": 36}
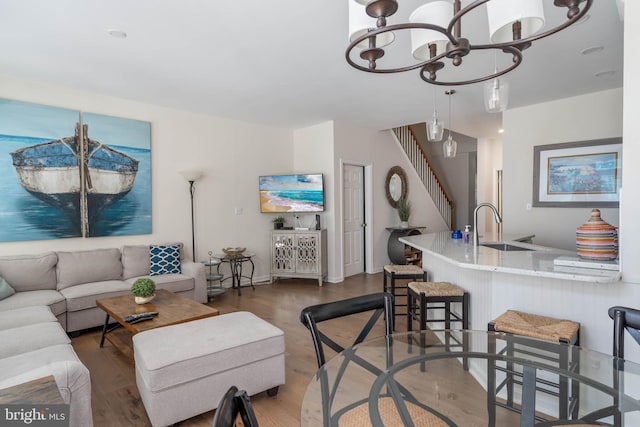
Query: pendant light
{"x": 435, "y": 128}
{"x": 496, "y": 94}
{"x": 450, "y": 146}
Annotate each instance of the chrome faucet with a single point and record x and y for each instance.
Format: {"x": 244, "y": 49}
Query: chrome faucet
{"x": 496, "y": 216}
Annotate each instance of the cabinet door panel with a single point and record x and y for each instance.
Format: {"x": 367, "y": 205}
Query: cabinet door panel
{"x": 283, "y": 259}
{"x": 307, "y": 253}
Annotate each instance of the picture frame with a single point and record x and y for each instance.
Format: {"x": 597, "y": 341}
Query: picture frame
{"x": 578, "y": 174}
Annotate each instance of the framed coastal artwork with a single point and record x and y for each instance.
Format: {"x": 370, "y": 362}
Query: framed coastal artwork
{"x": 578, "y": 174}
{"x": 64, "y": 173}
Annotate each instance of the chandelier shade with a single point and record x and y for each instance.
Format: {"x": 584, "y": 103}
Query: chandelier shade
{"x": 503, "y": 14}
{"x": 360, "y": 23}
{"x": 437, "y": 41}
{"x": 438, "y": 13}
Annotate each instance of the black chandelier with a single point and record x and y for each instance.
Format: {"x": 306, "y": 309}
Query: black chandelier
{"x": 436, "y": 33}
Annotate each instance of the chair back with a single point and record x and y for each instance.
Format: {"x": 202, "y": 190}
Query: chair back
{"x": 379, "y": 303}
{"x": 624, "y": 318}
{"x": 234, "y": 402}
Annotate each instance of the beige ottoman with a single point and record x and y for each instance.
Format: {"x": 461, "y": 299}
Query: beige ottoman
{"x": 184, "y": 370}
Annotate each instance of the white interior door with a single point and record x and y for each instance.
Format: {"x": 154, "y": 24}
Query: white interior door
{"x": 353, "y": 219}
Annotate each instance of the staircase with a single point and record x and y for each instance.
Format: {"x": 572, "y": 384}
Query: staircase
{"x": 409, "y": 143}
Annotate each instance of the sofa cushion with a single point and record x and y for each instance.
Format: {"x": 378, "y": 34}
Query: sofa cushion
{"x": 182, "y": 353}
{"x": 25, "y": 316}
{"x": 82, "y": 297}
{"x": 54, "y": 299}
{"x": 23, "y": 339}
{"x": 135, "y": 261}
{"x": 5, "y": 289}
{"x": 164, "y": 259}
{"x": 75, "y": 268}
{"x": 171, "y": 282}
{"x": 41, "y": 271}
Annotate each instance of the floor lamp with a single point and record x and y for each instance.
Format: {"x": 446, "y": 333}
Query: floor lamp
{"x": 192, "y": 176}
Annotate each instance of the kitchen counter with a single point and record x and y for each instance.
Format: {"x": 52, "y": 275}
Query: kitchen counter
{"x": 537, "y": 261}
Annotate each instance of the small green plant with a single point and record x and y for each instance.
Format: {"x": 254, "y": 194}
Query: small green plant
{"x": 404, "y": 209}
{"x": 278, "y": 220}
{"x": 143, "y": 287}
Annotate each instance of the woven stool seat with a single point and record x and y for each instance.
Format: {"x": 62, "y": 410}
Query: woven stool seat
{"x": 404, "y": 269}
{"x": 535, "y": 326}
{"x": 437, "y": 289}
{"x": 519, "y": 327}
{"x": 395, "y": 280}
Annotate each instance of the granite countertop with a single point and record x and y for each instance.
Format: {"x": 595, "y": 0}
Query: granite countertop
{"x": 539, "y": 261}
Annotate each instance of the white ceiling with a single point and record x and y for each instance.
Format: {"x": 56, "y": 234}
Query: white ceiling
{"x": 279, "y": 63}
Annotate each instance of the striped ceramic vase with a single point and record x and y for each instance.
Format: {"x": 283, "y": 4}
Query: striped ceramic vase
{"x": 596, "y": 239}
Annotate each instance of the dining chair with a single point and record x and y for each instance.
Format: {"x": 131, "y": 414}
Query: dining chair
{"x": 379, "y": 303}
{"x": 624, "y": 319}
{"x": 398, "y": 402}
{"x": 234, "y": 402}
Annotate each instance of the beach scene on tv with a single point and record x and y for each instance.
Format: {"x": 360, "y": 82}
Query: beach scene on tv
{"x": 291, "y": 193}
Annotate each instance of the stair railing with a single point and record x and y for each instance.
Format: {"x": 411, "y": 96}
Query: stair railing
{"x": 409, "y": 143}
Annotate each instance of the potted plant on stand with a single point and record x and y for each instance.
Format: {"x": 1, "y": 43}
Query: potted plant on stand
{"x": 404, "y": 212}
{"x": 278, "y": 222}
{"x": 143, "y": 290}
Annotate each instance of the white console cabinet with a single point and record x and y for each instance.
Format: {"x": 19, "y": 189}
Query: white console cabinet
{"x": 299, "y": 253}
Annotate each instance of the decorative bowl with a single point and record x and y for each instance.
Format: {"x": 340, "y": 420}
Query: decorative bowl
{"x": 233, "y": 252}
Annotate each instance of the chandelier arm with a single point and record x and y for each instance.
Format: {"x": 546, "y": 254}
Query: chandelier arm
{"x": 510, "y": 50}
{"x": 381, "y": 30}
{"x": 458, "y": 16}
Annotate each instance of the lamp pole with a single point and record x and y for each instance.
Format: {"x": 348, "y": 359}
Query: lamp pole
{"x": 192, "y": 190}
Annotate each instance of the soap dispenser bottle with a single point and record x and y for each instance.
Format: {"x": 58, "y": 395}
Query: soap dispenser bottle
{"x": 467, "y": 231}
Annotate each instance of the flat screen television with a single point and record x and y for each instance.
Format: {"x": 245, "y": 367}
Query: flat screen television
{"x": 292, "y": 193}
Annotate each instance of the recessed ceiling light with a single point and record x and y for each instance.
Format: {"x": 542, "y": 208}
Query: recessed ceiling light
{"x": 594, "y": 49}
{"x": 605, "y": 73}
{"x": 119, "y": 34}
{"x": 500, "y": 130}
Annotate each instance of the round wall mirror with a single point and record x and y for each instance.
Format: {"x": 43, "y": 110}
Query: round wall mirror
{"x": 396, "y": 185}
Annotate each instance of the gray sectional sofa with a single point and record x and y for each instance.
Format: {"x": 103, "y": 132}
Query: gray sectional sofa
{"x": 70, "y": 282}
{"x": 55, "y": 293}
{"x": 34, "y": 345}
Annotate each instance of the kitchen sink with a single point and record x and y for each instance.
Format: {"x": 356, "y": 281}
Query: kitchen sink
{"x": 504, "y": 247}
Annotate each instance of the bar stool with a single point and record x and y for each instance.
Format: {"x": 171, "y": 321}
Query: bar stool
{"x": 393, "y": 272}
{"x": 518, "y": 324}
{"x": 424, "y": 296}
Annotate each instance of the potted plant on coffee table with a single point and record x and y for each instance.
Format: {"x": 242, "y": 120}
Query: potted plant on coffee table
{"x": 143, "y": 290}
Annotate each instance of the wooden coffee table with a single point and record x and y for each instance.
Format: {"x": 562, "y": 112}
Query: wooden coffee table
{"x": 172, "y": 309}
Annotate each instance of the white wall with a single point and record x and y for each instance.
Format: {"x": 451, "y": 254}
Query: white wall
{"x": 231, "y": 154}
{"x": 489, "y": 163}
{"x": 593, "y": 116}
{"x": 380, "y": 150}
{"x": 630, "y": 206}
{"x": 313, "y": 152}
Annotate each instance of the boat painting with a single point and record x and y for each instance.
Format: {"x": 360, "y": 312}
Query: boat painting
{"x": 50, "y": 171}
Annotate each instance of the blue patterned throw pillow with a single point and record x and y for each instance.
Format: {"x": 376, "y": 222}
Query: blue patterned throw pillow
{"x": 164, "y": 259}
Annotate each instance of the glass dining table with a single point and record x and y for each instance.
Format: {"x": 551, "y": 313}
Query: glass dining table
{"x": 406, "y": 379}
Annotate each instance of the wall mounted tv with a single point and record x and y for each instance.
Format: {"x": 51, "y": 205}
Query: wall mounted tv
{"x": 292, "y": 193}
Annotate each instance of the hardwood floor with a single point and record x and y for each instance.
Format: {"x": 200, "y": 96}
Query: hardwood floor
{"x": 115, "y": 397}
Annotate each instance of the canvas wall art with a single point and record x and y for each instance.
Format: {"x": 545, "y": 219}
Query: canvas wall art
{"x": 70, "y": 174}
